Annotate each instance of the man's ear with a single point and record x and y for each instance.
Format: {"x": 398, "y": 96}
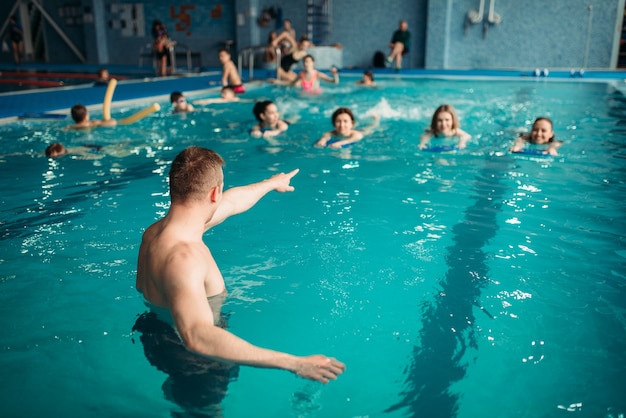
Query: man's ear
{"x": 215, "y": 193}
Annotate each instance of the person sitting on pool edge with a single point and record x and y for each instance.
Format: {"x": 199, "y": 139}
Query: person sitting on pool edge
{"x": 344, "y": 133}
{"x": 270, "y": 123}
{"x": 445, "y": 124}
{"x": 180, "y": 280}
{"x": 541, "y": 134}
{"x": 296, "y": 54}
{"x": 230, "y": 75}
{"x": 80, "y": 115}
{"x": 180, "y": 102}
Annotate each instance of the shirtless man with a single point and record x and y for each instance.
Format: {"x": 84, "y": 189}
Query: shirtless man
{"x": 177, "y": 274}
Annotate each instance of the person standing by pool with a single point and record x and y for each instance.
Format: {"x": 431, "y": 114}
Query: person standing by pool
{"x": 444, "y": 124}
{"x": 177, "y": 275}
{"x": 399, "y": 44}
{"x": 161, "y": 46}
{"x": 344, "y": 133}
{"x": 16, "y": 33}
{"x": 542, "y": 133}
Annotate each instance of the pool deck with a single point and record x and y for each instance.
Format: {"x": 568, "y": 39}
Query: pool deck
{"x": 58, "y": 100}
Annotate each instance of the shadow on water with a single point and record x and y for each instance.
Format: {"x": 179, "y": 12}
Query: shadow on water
{"x": 195, "y": 383}
{"x": 448, "y": 328}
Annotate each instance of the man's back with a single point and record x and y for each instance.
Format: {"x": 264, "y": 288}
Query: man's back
{"x": 167, "y": 251}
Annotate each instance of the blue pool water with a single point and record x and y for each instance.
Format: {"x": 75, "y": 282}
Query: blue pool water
{"x": 469, "y": 284}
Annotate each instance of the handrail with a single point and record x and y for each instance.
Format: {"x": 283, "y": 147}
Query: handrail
{"x": 176, "y": 48}
{"x": 248, "y": 55}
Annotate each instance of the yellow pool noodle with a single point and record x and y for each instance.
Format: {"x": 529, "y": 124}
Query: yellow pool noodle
{"x": 108, "y": 97}
{"x": 154, "y": 107}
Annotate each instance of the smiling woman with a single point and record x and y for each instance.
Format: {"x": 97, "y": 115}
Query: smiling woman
{"x": 434, "y": 277}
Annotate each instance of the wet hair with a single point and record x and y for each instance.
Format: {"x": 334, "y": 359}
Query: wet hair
{"x": 308, "y": 56}
{"x": 194, "y": 172}
{"x": 259, "y": 108}
{"x": 79, "y": 113}
{"x": 304, "y": 38}
{"x": 369, "y": 73}
{"x": 341, "y": 111}
{"x": 543, "y": 118}
{"x": 55, "y": 149}
{"x": 223, "y": 50}
{"x": 175, "y": 96}
{"x": 101, "y": 72}
{"x": 444, "y": 108}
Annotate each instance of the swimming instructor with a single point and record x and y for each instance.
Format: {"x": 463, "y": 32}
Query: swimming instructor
{"x": 178, "y": 276}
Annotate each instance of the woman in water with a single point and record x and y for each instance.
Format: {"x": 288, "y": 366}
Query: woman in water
{"x": 540, "y": 134}
{"x": 344, "y": 133}
{"x": 445, "y": 124}
{"x": 270, "y": 123}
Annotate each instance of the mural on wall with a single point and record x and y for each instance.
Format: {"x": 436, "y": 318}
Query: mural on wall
{"x": 127, "y": 19}
{"x": 185, "y": 15}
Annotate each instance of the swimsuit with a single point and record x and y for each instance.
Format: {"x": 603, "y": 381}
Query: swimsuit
{"x": 194, "y": 381}
{"x": 287, "y": 62}
{"x": 239, "y": 89}
{"x": 16, "y": 33}
{"x": 165, "y": 315}
{"x": 312, "y": 85}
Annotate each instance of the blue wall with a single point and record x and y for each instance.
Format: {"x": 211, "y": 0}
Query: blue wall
{"x": 531, "y": 34}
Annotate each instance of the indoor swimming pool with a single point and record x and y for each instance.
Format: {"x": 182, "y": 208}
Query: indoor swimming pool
{"x": 470, "y": 284}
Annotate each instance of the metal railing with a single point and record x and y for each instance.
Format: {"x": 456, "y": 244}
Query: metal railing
{"x": 246, "y": 57}
{"x": 147, "y": 51}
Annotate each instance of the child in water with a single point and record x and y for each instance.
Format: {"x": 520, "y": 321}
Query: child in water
{"x": 444, "y": 124}
{"x": 367, "y": 79}
{"x": 309, "y": 78}
{"x": 179, "y": 101}
{"x": 270, "y": 123}
{"x": 344, "y": 132}
{"x": 541, "y": 134}
{"x": 80, "y": 115}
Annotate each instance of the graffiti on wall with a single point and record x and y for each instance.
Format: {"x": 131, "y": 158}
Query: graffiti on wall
{"x": 185, "y": 14}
